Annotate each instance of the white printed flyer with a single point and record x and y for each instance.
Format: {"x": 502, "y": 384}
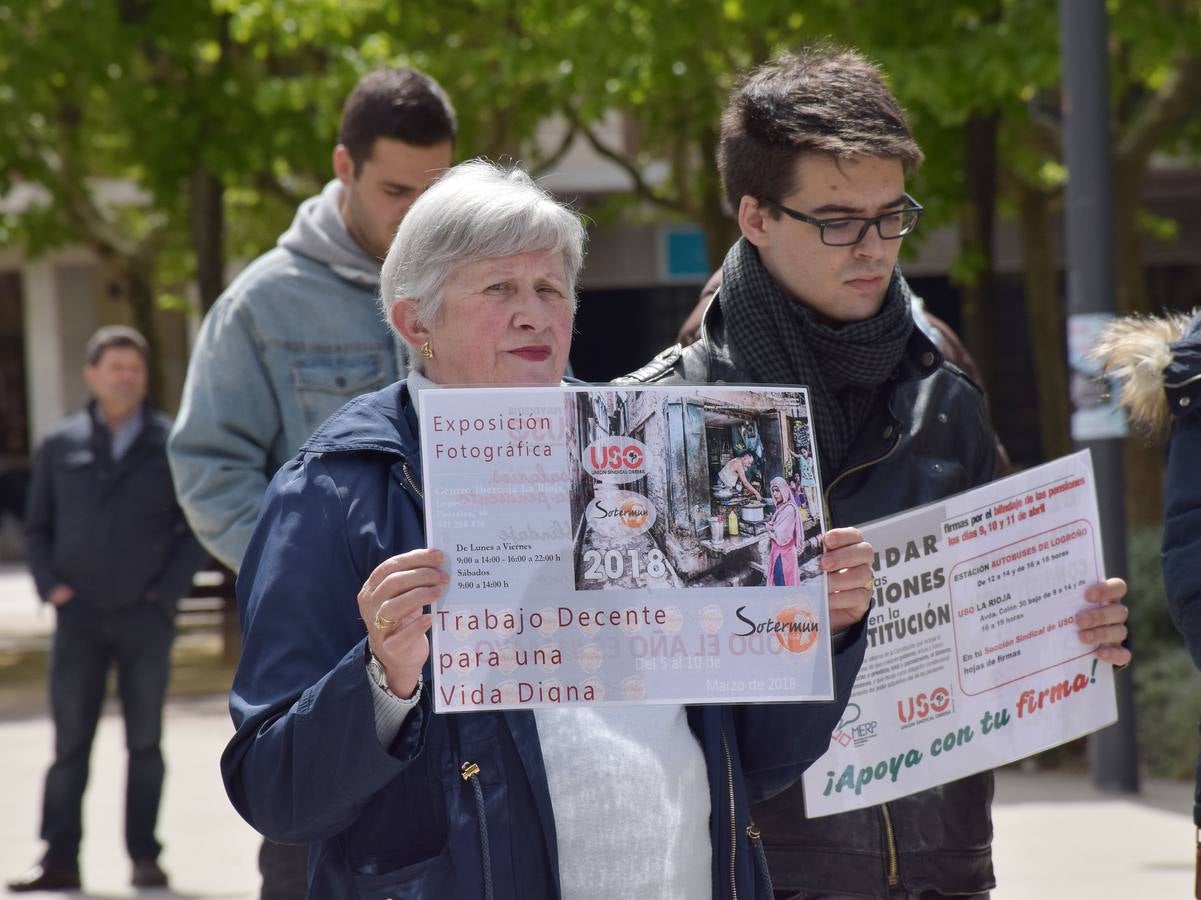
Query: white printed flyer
{"x": 973, "y": 658}
{"x": 625, "y": 545}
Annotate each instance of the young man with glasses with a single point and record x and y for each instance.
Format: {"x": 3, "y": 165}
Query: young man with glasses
{"x": 814, "y": 154}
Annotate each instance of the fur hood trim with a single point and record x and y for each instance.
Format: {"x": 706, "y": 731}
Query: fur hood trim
{"x": 1135, "y": 351}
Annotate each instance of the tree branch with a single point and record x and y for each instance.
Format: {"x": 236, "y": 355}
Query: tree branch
{"x": 541, "y": 166}
{"x": 1045, "y": 132}
{"x": 641, "y": 187}
{"x": 1162, "y": 113}
{"x": 267, "y": 183}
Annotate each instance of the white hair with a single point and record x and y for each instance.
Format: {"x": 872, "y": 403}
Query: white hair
{"x": 477, "y": 210}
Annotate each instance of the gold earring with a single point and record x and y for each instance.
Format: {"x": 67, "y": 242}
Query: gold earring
{"x": 427, "y": 351}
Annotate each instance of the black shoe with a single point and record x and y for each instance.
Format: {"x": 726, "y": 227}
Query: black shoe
{"x": 147, "y": 873}
{"x": 47, "y": 875}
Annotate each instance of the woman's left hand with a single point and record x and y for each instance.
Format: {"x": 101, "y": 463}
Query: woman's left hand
{"x": 847, "y": 562}
{"x": 1106, "y": 623}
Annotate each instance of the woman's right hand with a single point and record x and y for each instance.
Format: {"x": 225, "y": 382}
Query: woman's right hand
{"x": 390, "y": 604}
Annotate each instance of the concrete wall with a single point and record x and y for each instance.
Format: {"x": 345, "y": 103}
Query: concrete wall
{"x": 65, "y": 298}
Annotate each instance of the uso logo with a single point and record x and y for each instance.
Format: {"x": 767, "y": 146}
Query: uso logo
{"x": 617, "y": 514}
{"x": 926, "y": 705}
{"x": 616, "y": 460}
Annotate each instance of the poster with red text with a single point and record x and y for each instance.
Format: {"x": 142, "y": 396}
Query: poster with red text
{"x": 973, "y": 657}
{"x": 624, "y": 545}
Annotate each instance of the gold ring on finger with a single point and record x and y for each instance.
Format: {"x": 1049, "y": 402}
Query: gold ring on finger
{"x": 381, "y": 621}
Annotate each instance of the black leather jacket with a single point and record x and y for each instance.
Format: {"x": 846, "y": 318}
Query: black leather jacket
{"x": 928, "y": 437}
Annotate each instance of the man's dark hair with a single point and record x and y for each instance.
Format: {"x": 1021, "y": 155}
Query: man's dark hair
{"x": 401, "y": 104}
{"x": 112, "y": 336}
{"x": 824, "y": 100}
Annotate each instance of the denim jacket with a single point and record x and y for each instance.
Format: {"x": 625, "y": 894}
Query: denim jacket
{"x": 296, "y": 335}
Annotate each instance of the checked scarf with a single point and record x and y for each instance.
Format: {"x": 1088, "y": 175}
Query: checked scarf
{"x": 778, "y": 341}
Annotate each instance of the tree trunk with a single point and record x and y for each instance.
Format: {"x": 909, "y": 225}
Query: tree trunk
{"x": 721, "y": 231}
{"x": 207, "y": 223}
{"x": 139, "y": 282}
{"x": 976, "y": 219}
{"x": 1045, "y": 322}
{"x": 720, "y": 234}
{"x": 1144, "y": 465}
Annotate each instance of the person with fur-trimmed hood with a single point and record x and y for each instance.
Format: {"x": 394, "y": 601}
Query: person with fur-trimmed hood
{"x": 1158, "y": 364}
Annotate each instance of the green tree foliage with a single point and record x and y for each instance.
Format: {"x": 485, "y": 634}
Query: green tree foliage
{"x": 224, "y": 112}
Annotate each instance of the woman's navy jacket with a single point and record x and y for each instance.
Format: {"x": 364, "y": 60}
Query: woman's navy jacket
{"x": 305, "y": 765}
{"x": 1182, "y": 500}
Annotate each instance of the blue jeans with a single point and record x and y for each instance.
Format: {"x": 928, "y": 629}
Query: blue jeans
{"x": 87, "y": 642}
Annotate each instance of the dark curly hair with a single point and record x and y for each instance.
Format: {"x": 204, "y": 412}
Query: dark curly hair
{"x": 826, "y": 100}
{"x": 398, "y": 103}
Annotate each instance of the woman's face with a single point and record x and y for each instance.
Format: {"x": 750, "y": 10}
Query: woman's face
{"x": 504, "y": 320}
{"x": 776, "y": 494}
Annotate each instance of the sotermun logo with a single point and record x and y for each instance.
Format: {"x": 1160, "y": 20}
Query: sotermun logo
{"x": 618, "y": 514}
{"x": 616, "y": 460}
{"x": 794, "y": 627}
{"x": 926, "y": 705}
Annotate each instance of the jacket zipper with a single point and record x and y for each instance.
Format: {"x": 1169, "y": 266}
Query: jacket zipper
{"x": 871, "y": 462}
{"x": 404, "y": 467}
{"x": 471, "y": 774}
{"x": 725, "y": 747}
{"x": 756, "y": 838}
{"x": 893, "y": 873}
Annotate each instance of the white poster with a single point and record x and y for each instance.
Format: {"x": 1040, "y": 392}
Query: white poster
{"x": 973, "y": 657}
{"x": 1096, "y": 413}
{"x": 625, "y": 545}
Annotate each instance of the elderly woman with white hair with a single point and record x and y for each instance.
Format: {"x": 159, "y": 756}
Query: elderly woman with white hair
{"x": 337, "y": 744}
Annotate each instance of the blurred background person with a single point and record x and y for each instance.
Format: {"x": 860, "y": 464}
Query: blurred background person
{"x": 1157, "y": 364}
{"x": 111, "y": 553}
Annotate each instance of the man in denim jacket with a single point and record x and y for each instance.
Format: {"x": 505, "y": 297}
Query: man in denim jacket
{"x": 298, "y": 333}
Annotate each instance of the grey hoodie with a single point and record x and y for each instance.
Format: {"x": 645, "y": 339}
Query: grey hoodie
{"x": 319, "y": 233}
{"x": 296, "y": 335}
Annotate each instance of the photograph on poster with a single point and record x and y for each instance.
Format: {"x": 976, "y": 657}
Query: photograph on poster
{"x": 607, "y": 545}
{"x": 693, "y": 490}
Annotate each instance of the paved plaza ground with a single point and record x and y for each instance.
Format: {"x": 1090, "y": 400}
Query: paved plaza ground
{"x": 1056, "y": 836}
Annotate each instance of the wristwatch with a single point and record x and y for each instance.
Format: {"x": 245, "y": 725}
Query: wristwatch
{"x": 379, "y": 678}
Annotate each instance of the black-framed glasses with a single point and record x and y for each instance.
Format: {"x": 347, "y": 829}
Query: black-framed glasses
{"x": 848, "y": 230}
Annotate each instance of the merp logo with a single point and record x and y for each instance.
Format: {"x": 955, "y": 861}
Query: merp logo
{"x": 853, "y": 729}
{"x": 926, "y": 705}
{"x": 616, "y": 459}
{"x": 619, "y": 514}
